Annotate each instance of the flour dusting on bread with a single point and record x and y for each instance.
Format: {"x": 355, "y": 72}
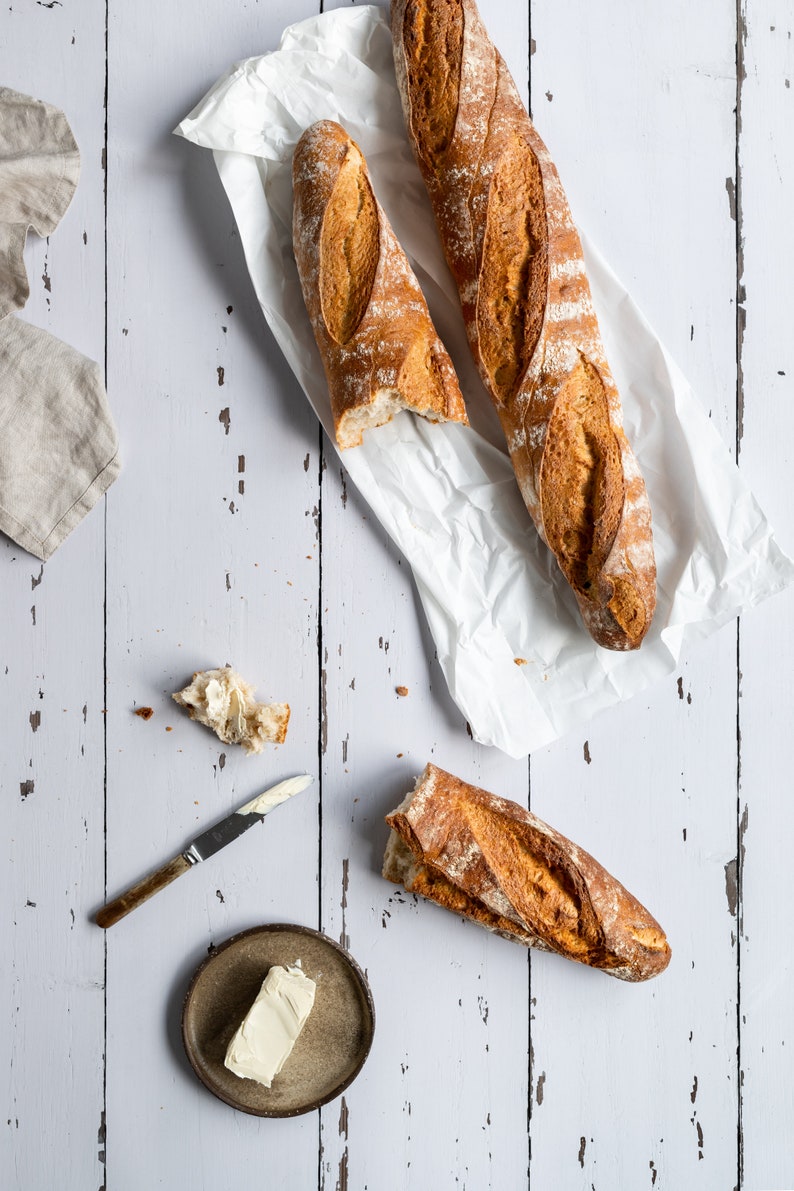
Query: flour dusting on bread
{"x": 515, "y": 254}
{"x": 378, "y": 346}
{"x": 494, "y": 862}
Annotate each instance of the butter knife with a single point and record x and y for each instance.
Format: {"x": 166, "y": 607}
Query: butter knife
{"x": 202, "y": 847}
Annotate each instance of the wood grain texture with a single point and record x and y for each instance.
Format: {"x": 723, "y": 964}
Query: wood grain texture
{"x": 452, "y": 1007}
{"x": 766, "y": 824}
{"x": 141, "y": 891}
{"x": 234, "y": 536}
{"x": 213, "y": 575}
{"x": 51, "y": 689}
{"x": 663, "y": 770}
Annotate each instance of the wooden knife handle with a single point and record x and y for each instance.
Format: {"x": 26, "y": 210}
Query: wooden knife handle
{"x": 140, "y": 892}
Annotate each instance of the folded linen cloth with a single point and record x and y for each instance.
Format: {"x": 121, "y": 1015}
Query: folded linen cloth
{"x": 58, "y": 443}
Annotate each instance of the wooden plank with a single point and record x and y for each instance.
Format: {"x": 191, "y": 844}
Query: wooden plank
{"x": 51, "y": 691}
{"x": 447, "y": 1078}
{"x": 637, "y": 1086}
{"x": 766, "y": 835}
{"x": 212, "y": 558}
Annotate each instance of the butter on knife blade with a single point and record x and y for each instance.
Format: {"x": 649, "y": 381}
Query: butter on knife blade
{"x": 275, "y": 795}
{"x": 202, "y": 847}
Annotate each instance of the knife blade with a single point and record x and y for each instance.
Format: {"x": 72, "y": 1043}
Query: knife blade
{"x": 202, "y": 847}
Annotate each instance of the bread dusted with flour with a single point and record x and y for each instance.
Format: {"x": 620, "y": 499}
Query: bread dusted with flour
{"x": 517, "y": 260}
{"x": 496, "y": 863}
{"x": 379, "y": 349}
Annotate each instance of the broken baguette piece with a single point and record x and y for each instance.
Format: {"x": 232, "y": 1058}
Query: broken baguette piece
{"x": 226, "y": 703}
{"x": 496, "y": 863}
{"x": 379, "y": 348}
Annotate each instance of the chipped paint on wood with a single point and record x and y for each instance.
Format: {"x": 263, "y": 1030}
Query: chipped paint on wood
{"x": 344, "y": 937}
{"x": 539, "y": 1088}
{"x": 324, "y": 707}
{"x": 732, "y": 885}
{"x": 344, "y": 1124}
{"x": 415, "y": 1136}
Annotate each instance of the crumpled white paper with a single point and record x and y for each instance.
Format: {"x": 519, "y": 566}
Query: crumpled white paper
{"x": 519, "y": 664}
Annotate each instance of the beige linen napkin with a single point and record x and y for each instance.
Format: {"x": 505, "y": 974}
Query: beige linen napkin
{"x": 58, "y": 443}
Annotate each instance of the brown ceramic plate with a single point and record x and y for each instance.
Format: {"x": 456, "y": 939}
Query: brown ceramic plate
{"x": 330, "y": 1050}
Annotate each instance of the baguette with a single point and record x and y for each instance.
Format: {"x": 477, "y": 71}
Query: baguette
{"x": 496, "y": 863}
{"x": 379, "y": 349}
{"x": 515, "y": 255}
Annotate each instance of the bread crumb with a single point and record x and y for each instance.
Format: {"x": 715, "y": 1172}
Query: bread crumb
{"x": 225, "y": 702}
{"x": 402, "y": 690}
{"x": 145, "y": 713}
{"x": 169, "y": 729}
{"x": 520, "y": 661}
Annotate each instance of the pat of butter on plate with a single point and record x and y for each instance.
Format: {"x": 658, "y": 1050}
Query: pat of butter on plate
{"x": 265, "y": 1038}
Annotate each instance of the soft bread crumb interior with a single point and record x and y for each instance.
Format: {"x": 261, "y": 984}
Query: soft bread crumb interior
{"x": 226, "y": 703}
{"x": 381, "y": 409}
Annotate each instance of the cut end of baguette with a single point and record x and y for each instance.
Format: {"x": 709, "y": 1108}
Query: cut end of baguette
{"x": 381, "y": 409}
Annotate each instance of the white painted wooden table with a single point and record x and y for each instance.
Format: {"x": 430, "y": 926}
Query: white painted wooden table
{"x": 233, "y": 536}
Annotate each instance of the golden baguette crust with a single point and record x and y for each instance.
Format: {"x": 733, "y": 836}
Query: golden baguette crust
{"x": 491, "y": 860}
{"x": 516, "y": 257}
{"x": 378, "y": 345}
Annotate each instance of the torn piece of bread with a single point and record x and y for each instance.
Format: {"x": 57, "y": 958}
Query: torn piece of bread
{"x": 379, "y": 348}
{"x": 225, "y": 702}
{"x": 496, "y": 863}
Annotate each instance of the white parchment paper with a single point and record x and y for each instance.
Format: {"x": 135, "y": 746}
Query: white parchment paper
{"x": 519, "y": 664}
